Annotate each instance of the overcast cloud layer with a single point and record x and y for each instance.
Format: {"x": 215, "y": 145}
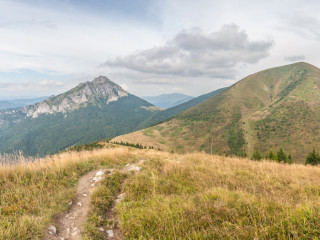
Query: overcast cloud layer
{"x": 150, "y": 47}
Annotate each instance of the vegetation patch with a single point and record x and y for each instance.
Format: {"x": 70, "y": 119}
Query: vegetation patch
{"x": 102, "y": 200}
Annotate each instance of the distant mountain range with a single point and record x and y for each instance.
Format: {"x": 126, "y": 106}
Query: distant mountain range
{"x": 5, "y": 104}
{"x": 168, "y": 100}
{"x": 278, "y": 107}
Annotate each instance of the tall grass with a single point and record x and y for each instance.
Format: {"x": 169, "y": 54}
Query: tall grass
{"x": 14, "y": 159}
{"x": 191, "y": 196}
{"x": 32, "y": 193}
{"x": 198, "y": 196}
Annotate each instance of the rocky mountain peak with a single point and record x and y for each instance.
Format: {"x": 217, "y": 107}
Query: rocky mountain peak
{"x": 100, "y": 87}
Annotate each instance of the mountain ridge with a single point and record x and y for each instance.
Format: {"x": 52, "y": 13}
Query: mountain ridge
{"x": 76, "y": 97}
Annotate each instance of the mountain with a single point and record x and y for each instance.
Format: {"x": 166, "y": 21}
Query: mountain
{"x": 164, "y": 115}
{"x": 89, "y": 112}
{"x": 274, "y": 108}
{"x": 168, "y": 100}
{"x": 5, "y": 104}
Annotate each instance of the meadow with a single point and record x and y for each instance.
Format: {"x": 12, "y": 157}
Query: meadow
{"x": 174, "y": 196}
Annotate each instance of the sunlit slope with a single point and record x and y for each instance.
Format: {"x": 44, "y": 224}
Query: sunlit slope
{"x": 278, "y": 107}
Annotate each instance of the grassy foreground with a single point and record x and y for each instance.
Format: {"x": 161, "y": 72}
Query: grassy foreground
{"x": 31, "y": 194}
{"x": 192, "y": 196}
{"x": 198, "y": 196}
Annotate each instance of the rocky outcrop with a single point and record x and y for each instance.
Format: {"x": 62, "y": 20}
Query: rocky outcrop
{"x": 100, "y": 87}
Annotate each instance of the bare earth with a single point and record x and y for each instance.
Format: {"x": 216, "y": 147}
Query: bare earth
{"x": 69, "y": 224}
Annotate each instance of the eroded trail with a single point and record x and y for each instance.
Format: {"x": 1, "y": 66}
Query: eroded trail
{"x": 69, "y": 224}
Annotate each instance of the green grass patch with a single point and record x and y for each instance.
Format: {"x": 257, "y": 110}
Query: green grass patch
{"x": 102, "y": 199}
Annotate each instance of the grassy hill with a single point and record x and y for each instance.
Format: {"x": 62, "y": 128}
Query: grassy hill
{"x": 191, "y": 196}
{"x": 275, "y": 108}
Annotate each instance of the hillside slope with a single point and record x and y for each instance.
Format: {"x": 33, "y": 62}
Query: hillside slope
{"x": 89, "y": 112}
{"x": 278, "y": 107}
{"x": 161, "y": 116}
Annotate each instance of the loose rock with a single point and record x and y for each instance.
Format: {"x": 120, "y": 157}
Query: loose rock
{"x": 110, "y": 233}
{"x": 52, "y": 229}
{"x": 120, "y": 197}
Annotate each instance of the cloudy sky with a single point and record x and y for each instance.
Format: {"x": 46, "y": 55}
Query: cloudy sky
{"x": 150, "y": 47}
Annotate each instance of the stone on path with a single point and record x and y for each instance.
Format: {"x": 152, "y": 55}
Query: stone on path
{"x": 52, "y": 229}
{"x": 110, "y": 233}
{"x": 120, "y": 197}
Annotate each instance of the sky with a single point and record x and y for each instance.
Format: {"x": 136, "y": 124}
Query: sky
{"x": 150, "y": 47}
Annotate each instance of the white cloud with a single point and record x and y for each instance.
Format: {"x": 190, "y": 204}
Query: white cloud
{"x": 67, "y": 41}
{"x": 195, "y": 53}
{"x": 154, "y": 54}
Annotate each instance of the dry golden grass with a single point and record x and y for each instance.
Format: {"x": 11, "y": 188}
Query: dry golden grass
{"x": 191, "y": 196}
{"x": 141, "y": 138}
{"x": 198, "y": 196}
{"x": 31, "y": 194}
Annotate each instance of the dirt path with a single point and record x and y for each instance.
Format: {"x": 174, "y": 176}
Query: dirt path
{"x": 69, "y": 224}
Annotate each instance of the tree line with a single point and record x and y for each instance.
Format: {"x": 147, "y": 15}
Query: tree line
{"x": 313, "y": 157}
{"x": 135, "y": 145}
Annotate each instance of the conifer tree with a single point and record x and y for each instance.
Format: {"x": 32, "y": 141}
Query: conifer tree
{"x": 257, "y": 155}
{"x": 281, "y": 156}
{"x": 271, "y": 155}
{"x": 313, "y": 158}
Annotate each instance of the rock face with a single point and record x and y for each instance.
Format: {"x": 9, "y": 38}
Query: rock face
{"x": 100, "y": 87}
{"x": 80, "y": 95}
